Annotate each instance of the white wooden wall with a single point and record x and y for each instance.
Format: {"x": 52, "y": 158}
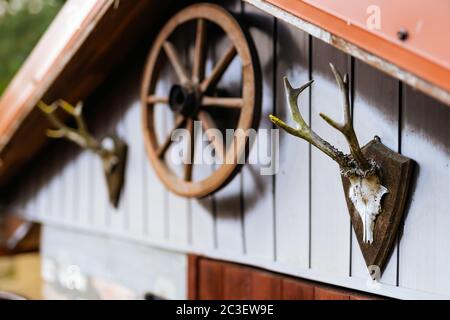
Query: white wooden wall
{"x": 295, "y": 222}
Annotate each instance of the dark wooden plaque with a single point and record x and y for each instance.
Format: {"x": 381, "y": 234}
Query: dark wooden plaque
{"x": 396, "y": 172}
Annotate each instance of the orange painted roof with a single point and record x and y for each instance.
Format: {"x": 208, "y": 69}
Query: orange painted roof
{"x": 426, "y": 51}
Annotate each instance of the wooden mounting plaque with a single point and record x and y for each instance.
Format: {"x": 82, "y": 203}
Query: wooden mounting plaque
{"x": 396, "y": 176}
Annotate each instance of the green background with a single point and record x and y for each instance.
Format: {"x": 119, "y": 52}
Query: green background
{"x": 20, "y": 29}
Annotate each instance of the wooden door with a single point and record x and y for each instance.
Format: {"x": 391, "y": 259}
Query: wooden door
{"x": 216, "y": 280}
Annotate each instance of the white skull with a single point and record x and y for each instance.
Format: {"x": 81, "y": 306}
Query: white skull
{"x": 366, "y": 194}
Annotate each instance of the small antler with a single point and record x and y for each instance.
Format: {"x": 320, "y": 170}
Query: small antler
{"x": 113, "y": 156}
{"x": 81, "y": 135}
{"x": 356, "y": 162}
{"x": 303, "y": 130}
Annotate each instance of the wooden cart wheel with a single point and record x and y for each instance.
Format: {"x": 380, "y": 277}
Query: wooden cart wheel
{"x": 191, "y": 97}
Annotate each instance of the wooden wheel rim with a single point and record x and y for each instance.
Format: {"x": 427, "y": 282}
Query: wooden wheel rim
{"x": 250, "y": 94}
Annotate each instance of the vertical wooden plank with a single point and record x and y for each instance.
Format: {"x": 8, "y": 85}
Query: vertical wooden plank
{"x": 100, "y": 197}
{"x": 37, "y": 176}
{"x": 67, "y": 185}
{"x": 237, "y": 282}
{"x": 178, "y": 208}
{"x": 258, "y": 189}
{"x": 193, "y": 276}
{"x": 211, "y": 281}
{"x": 51, "y": 189}
{"x": 330, "y": 222}
{"x": 292, "y": 181}
{"x": 202, "y": 210}
{"x": 86, "y": 185}
{"x": 155, "y": 201}
{"x": 30, "y": 206}
{"x": 375, "y": 112}
{"x": 265, "y": 286}
{"x": 20, "y": 198}
{"x": 203, "y": 219}
{"x": 228, "y": 211}
{"x": 62, "y": 201}
{"x": 133, "y": 193}
{"x": 156, "y": 194}
{"x": 72, "y": 206}
{"x": 178, "y": 218}
{"x": 359, "y": 296}
{"x": 119, "y": 215}
{"x": 424, "y": 254}
{"x": 41, "y": 172}
{"x": 321, "y": 293}
{"x": 297, "y": 290}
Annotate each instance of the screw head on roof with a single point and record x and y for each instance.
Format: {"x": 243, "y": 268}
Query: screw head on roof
{"x": 402, "y": 34}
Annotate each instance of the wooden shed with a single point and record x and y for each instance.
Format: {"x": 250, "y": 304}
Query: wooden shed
{"x": 238, "y": 233}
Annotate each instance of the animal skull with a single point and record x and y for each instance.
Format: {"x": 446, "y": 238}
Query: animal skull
{"x": 366, "y": 194}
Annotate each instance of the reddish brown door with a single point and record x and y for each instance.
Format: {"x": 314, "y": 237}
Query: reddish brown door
{"x": 217, "y": 280}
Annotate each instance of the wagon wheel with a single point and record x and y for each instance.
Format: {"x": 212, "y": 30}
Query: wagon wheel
{"x": 191, "y": 97}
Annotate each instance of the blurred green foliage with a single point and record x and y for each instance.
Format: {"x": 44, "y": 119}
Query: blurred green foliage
{"x": 22, "y": 23}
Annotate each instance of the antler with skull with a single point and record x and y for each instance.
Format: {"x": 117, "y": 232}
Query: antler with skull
{"x": 366, "y": 190}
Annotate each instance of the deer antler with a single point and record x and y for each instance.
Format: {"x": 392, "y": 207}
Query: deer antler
{"x": 303, "y": 130}
{"x": 366, "y": 190}
{"x": 349, "y": 164}
{"x": 81, "y": 135}
{"x": 347, "y": 127}
{"x": 113, "y": 157}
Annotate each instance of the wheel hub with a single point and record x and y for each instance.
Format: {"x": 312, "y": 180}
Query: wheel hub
{"x": 183, "y": 100}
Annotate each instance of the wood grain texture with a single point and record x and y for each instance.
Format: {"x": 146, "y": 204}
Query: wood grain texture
{"x": 118, "y": 216}
{"x": 321, "y": 293}
{"x": 156, "y": 203}
{"x": 297, "y": 290}
{"x": 228, "y": 201}
{"x": 292, "y": 180}
{"x": 203, "y": 218}
{"x": 46, "y": 185}
{"x": 155, "y": 200}
{"x": 202, "y": 210}
{"x": 266, "y": 286}
{"x": 193, "y": 277}
{"x": 259, "y": 222}
{"x": 330, "y": 223}
{"x": 424, "y": 254}
{"x": 375, "y": 112}
{"x": 237, "y": 282}
{"x": 133, "y": 193}
{"x": 70, "y": 181}
{"x": 85, "y": 191}
{"x": 211, "y": 280}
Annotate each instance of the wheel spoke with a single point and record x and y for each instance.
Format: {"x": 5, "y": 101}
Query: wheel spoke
{"x": 208, "y": 123}
{"x": 198, "y": 71}
{"x": 161, "y": 151}
{"x": 234, "y": 103}
{"x": 176, "y": 62}
{"x": 188, "y": 166}
{"x": 219, "y": 70}
{"x": 156, "y": 99}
